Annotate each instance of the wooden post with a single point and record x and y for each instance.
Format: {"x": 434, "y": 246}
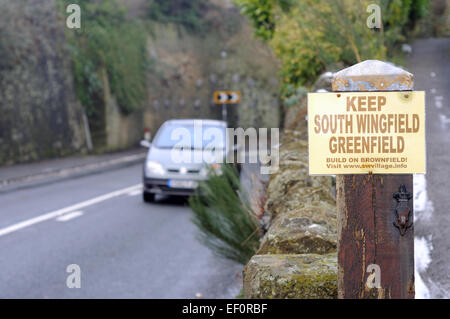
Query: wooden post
{"x": 370, "y": 246}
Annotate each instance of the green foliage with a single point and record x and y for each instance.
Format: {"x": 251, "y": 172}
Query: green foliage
{"x": 310, "y": 36}
{"x": 187, "y": 13}
{"x": 223, "y": 215}
{"x": 399, "y": 16}
{"x": 260, "y": 13}
{"x": 419, "y": 9}
{"x": 396, "y": 14}
{"x": 108, "y": 41}
{"x": 317, "y": 34}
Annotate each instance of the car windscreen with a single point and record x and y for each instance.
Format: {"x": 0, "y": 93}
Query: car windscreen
{"x": 190, "y": 136}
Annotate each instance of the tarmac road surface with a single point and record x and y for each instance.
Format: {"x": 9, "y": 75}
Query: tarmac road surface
{"x": 124, "y": 247}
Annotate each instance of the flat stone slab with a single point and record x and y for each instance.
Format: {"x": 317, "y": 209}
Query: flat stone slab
{"x": 292, "y": 181}
{"x": 306, "y": 230}
{"x": 297, "y": 197}
{"x": 307, "y": 276}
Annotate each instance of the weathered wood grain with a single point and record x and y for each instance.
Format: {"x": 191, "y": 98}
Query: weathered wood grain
{"x": 366, "y": 207}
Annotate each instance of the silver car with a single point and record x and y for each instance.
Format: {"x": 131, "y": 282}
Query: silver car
{"x": 180, "y": 154}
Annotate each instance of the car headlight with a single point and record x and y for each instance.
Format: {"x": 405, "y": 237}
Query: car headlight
{"x": 154, "y": 168}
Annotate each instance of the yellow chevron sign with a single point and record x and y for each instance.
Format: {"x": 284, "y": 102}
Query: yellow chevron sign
{"x": 227, "y": 97}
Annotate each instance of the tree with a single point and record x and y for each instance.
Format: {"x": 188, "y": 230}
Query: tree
{"x": 310, "y": 36}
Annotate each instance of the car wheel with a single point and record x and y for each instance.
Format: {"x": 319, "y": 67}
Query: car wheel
{"x": 148, "y": 197}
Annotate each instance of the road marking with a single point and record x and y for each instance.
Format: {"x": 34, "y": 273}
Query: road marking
{"x": 69, "y": 216}
{"x": 135, "y": 192}
{"x": 59, "y": 212}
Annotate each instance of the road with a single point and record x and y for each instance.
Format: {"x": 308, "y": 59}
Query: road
{"x": 125, "y": 248}
{"x": 430, "y": 64}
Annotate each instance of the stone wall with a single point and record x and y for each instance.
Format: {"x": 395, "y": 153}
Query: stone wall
{"x": 187, "y": 67}
{"x": 297, "y": 257}
{"x": 40, "y": 114}
{"x": 185, "y": 71}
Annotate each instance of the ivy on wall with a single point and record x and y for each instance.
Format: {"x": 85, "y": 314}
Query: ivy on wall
{"x": 108, "y": 40}
{"x": 262, "y": 14}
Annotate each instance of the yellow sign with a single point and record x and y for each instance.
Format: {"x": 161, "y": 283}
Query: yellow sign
{"x": 227, "y": 97}
{"x": 366, "y": 132}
